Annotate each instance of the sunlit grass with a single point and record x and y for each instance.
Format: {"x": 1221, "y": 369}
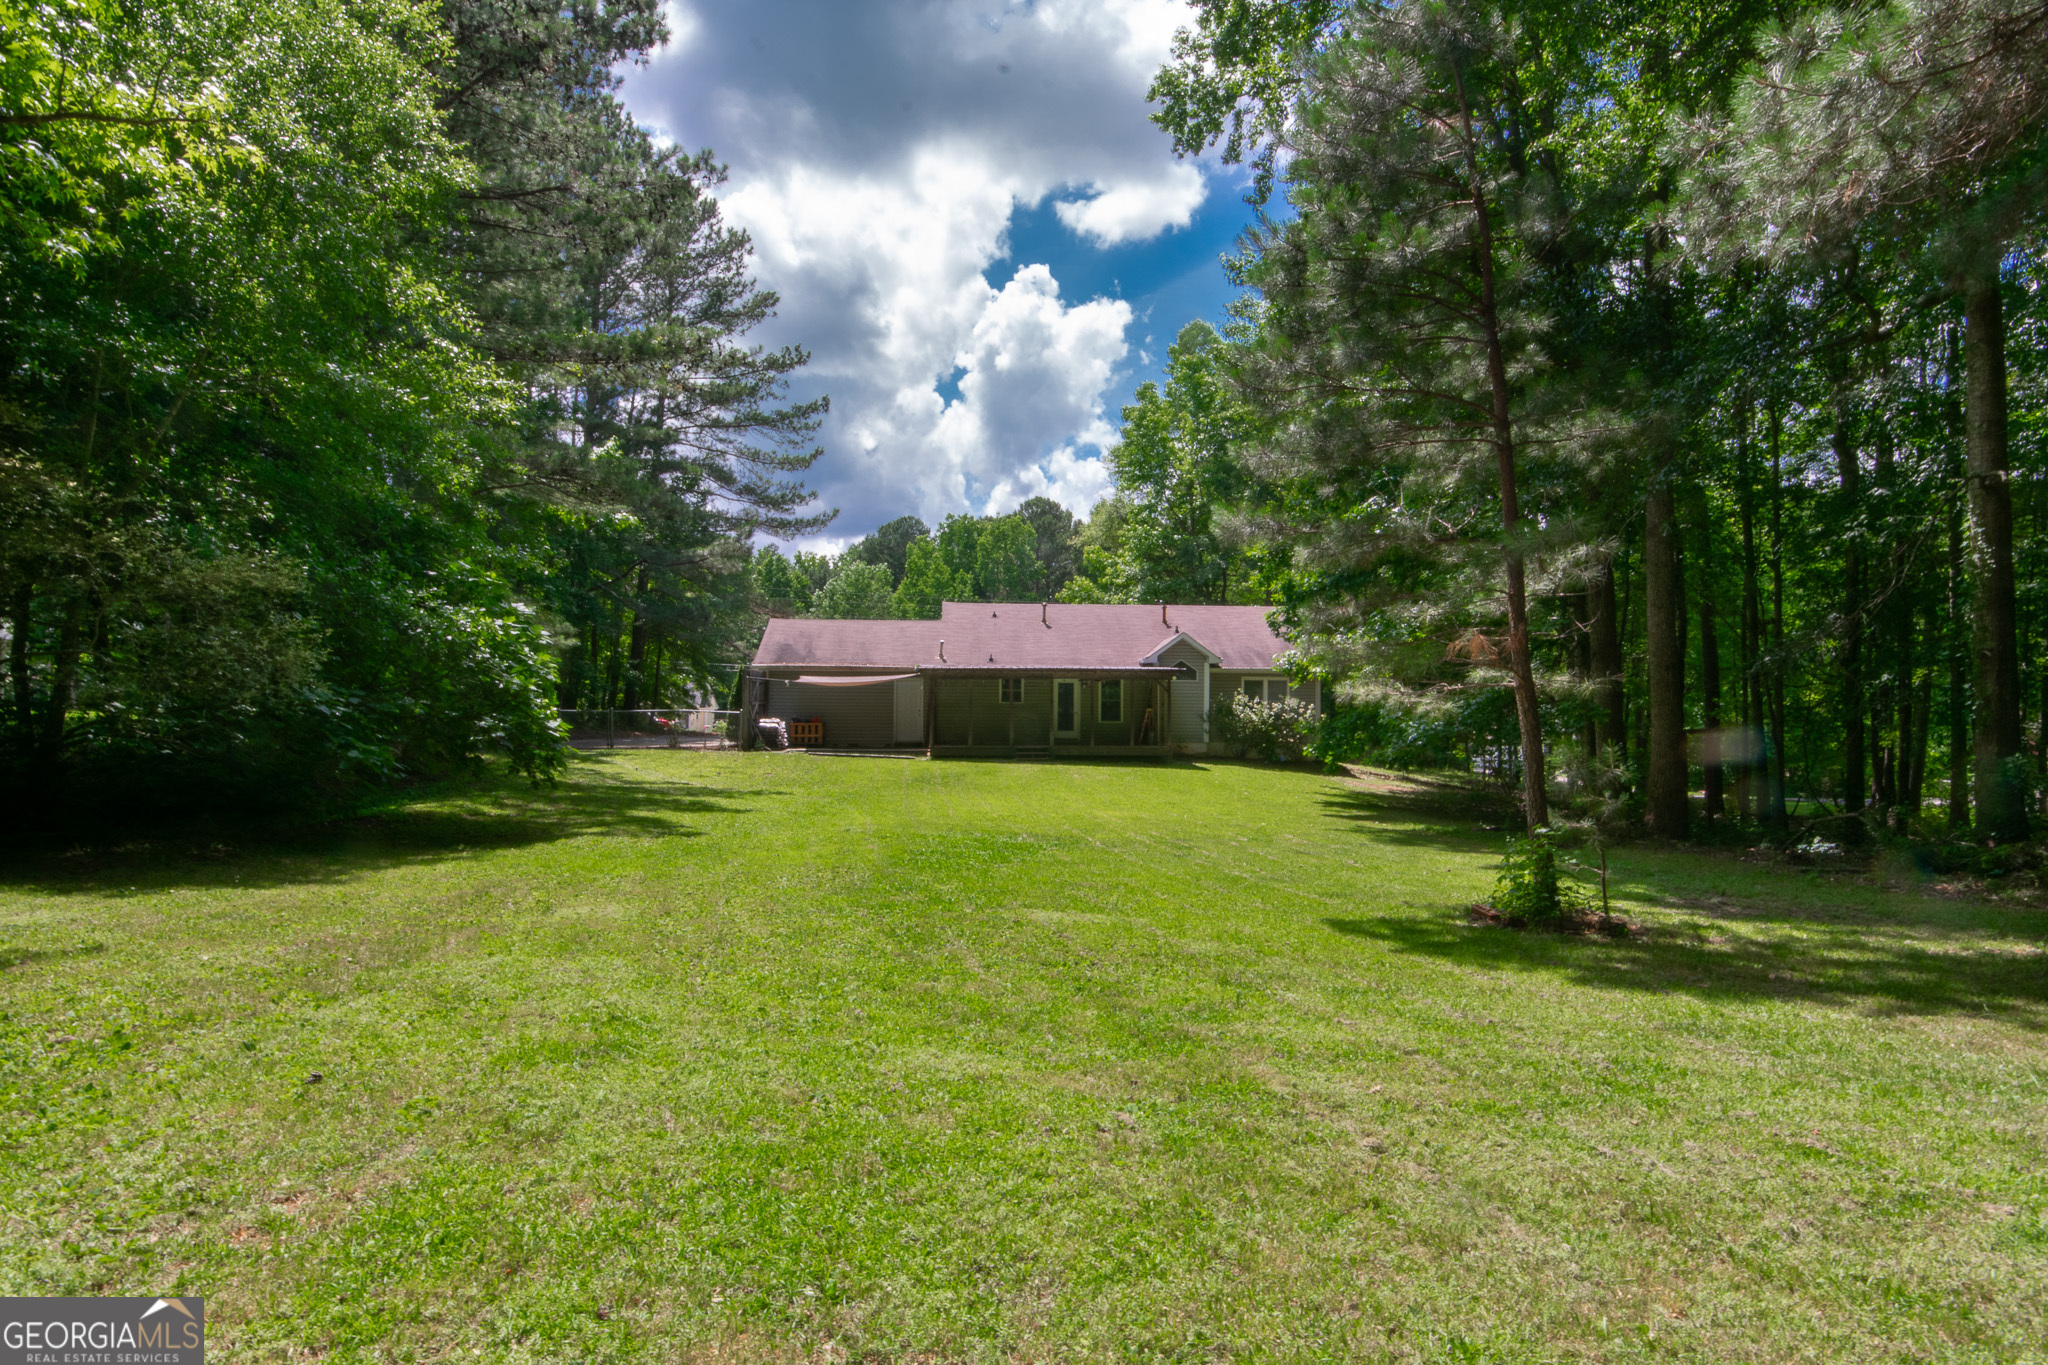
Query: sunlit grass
{"x": 771, "y": 1057}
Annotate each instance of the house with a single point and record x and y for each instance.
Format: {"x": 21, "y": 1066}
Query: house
{"x": 1003, "y": 678}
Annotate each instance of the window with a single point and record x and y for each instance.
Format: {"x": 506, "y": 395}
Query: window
{"x": 1012, "y": 689}
{"x": 1110, "y": 700}
{"x": 1270, "y": 690}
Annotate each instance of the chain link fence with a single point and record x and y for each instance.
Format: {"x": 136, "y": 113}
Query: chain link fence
{"x": 687, "y": 727}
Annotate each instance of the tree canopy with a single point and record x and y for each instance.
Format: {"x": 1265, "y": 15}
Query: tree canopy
{"x": 1637, "y": 375}
{"x": 371, "y": 386}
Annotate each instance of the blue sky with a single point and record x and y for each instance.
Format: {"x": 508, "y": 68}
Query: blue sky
{"x": 972, "y": 223}
{"x": 1168, "y": 279}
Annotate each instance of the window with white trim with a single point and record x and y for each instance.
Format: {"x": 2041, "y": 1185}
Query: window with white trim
{"x": 1270, "y": 690}
{"x": 1109, "y": 701}
{"x": 1012, "y": 689}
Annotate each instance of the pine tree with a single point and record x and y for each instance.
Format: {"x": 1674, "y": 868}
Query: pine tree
{"x": 1398, "y": 354}
{"x": 605, "y": 281}
{"x": 1055, "y": 534}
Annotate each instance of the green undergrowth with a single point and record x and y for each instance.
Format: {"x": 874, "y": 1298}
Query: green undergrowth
{"x": 768, "y": 1057}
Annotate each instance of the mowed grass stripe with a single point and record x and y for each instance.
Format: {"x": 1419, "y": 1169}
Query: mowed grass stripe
{"x": 763, "y": 1056}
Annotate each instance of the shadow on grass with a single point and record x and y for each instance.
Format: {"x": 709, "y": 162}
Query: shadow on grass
{"x": 1885, "y": 970}
{"x": 1789, "y": 935}
{"x": 450, "y": 821}
{"x": 1434, "y": 814}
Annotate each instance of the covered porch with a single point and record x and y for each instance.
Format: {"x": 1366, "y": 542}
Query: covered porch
{"x": 987, "y": 711}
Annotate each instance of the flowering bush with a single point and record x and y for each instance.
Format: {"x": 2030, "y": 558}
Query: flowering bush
{"x": 1278, "y": 732}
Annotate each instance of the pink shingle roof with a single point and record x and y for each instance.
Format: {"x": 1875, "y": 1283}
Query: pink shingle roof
{"x": 1013, "y": 634}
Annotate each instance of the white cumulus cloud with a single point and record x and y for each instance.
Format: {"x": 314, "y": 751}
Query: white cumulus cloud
{"x": 1032, "y": 380}
{"x": 1136, "y": 211}
{"x": 876, "y": 153}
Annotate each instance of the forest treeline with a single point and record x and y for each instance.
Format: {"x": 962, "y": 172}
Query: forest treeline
{"x": 1653, "y": 388}
{"x": 1653, "y": 392}
{"x": 1161, "y": 536}
{"x": 365, "y": 373}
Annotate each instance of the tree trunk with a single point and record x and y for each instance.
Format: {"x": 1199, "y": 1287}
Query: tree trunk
{"x": 636, "y": 647}
{"x": 1923, "y": 712}
{"x": 1535, "y": 806}
{"x": 1607, "y": 661}
{"x": 1752, "y": 626}
{"x": 1710, "y": 672}
{"x": 17, "y": 662}
{"x": 2001, "y": 805}
{"x": 2041, "y": 752}
{"x": 1958, "y": 677}
{"x": 1903, "y": 651}
{"x": 1582, "y": 660}
{"x": 1668, "y": 807}
{"x": 1775, "y": 760}
{"x": 611, "y": 672}
{"x": 63, "y": 678}
{"x": 1850, "y": 467}
{"x": 1955, "y": 631}
{"x": 1891, "y": 629}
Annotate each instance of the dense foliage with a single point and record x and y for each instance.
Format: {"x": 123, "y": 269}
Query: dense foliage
{"x": 369, "y": 383}
{"x": 1664, "y": 374}
{"x": 906, "y": 569}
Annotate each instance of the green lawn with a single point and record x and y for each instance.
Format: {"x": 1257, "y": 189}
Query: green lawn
{"x": 768, "y": 1057}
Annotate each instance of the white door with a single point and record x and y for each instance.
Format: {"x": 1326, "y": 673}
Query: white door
{"x": 1066, "y": 708}
{"x": 910, "y": 710}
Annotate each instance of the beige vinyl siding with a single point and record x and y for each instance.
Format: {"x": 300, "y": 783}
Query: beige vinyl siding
{"x": 1187, "y": 693}
{"x": 855, "y": 717}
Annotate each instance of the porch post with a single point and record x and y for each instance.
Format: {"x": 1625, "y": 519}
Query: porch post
{"x": 1206, "y": 706}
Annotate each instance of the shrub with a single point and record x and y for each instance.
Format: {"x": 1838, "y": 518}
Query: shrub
{"x": 1345, "y": 736}
{"x": 1392, "y": 734}
{"x": 1247, "y": 728}
{"x": 1529, "y": 890}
